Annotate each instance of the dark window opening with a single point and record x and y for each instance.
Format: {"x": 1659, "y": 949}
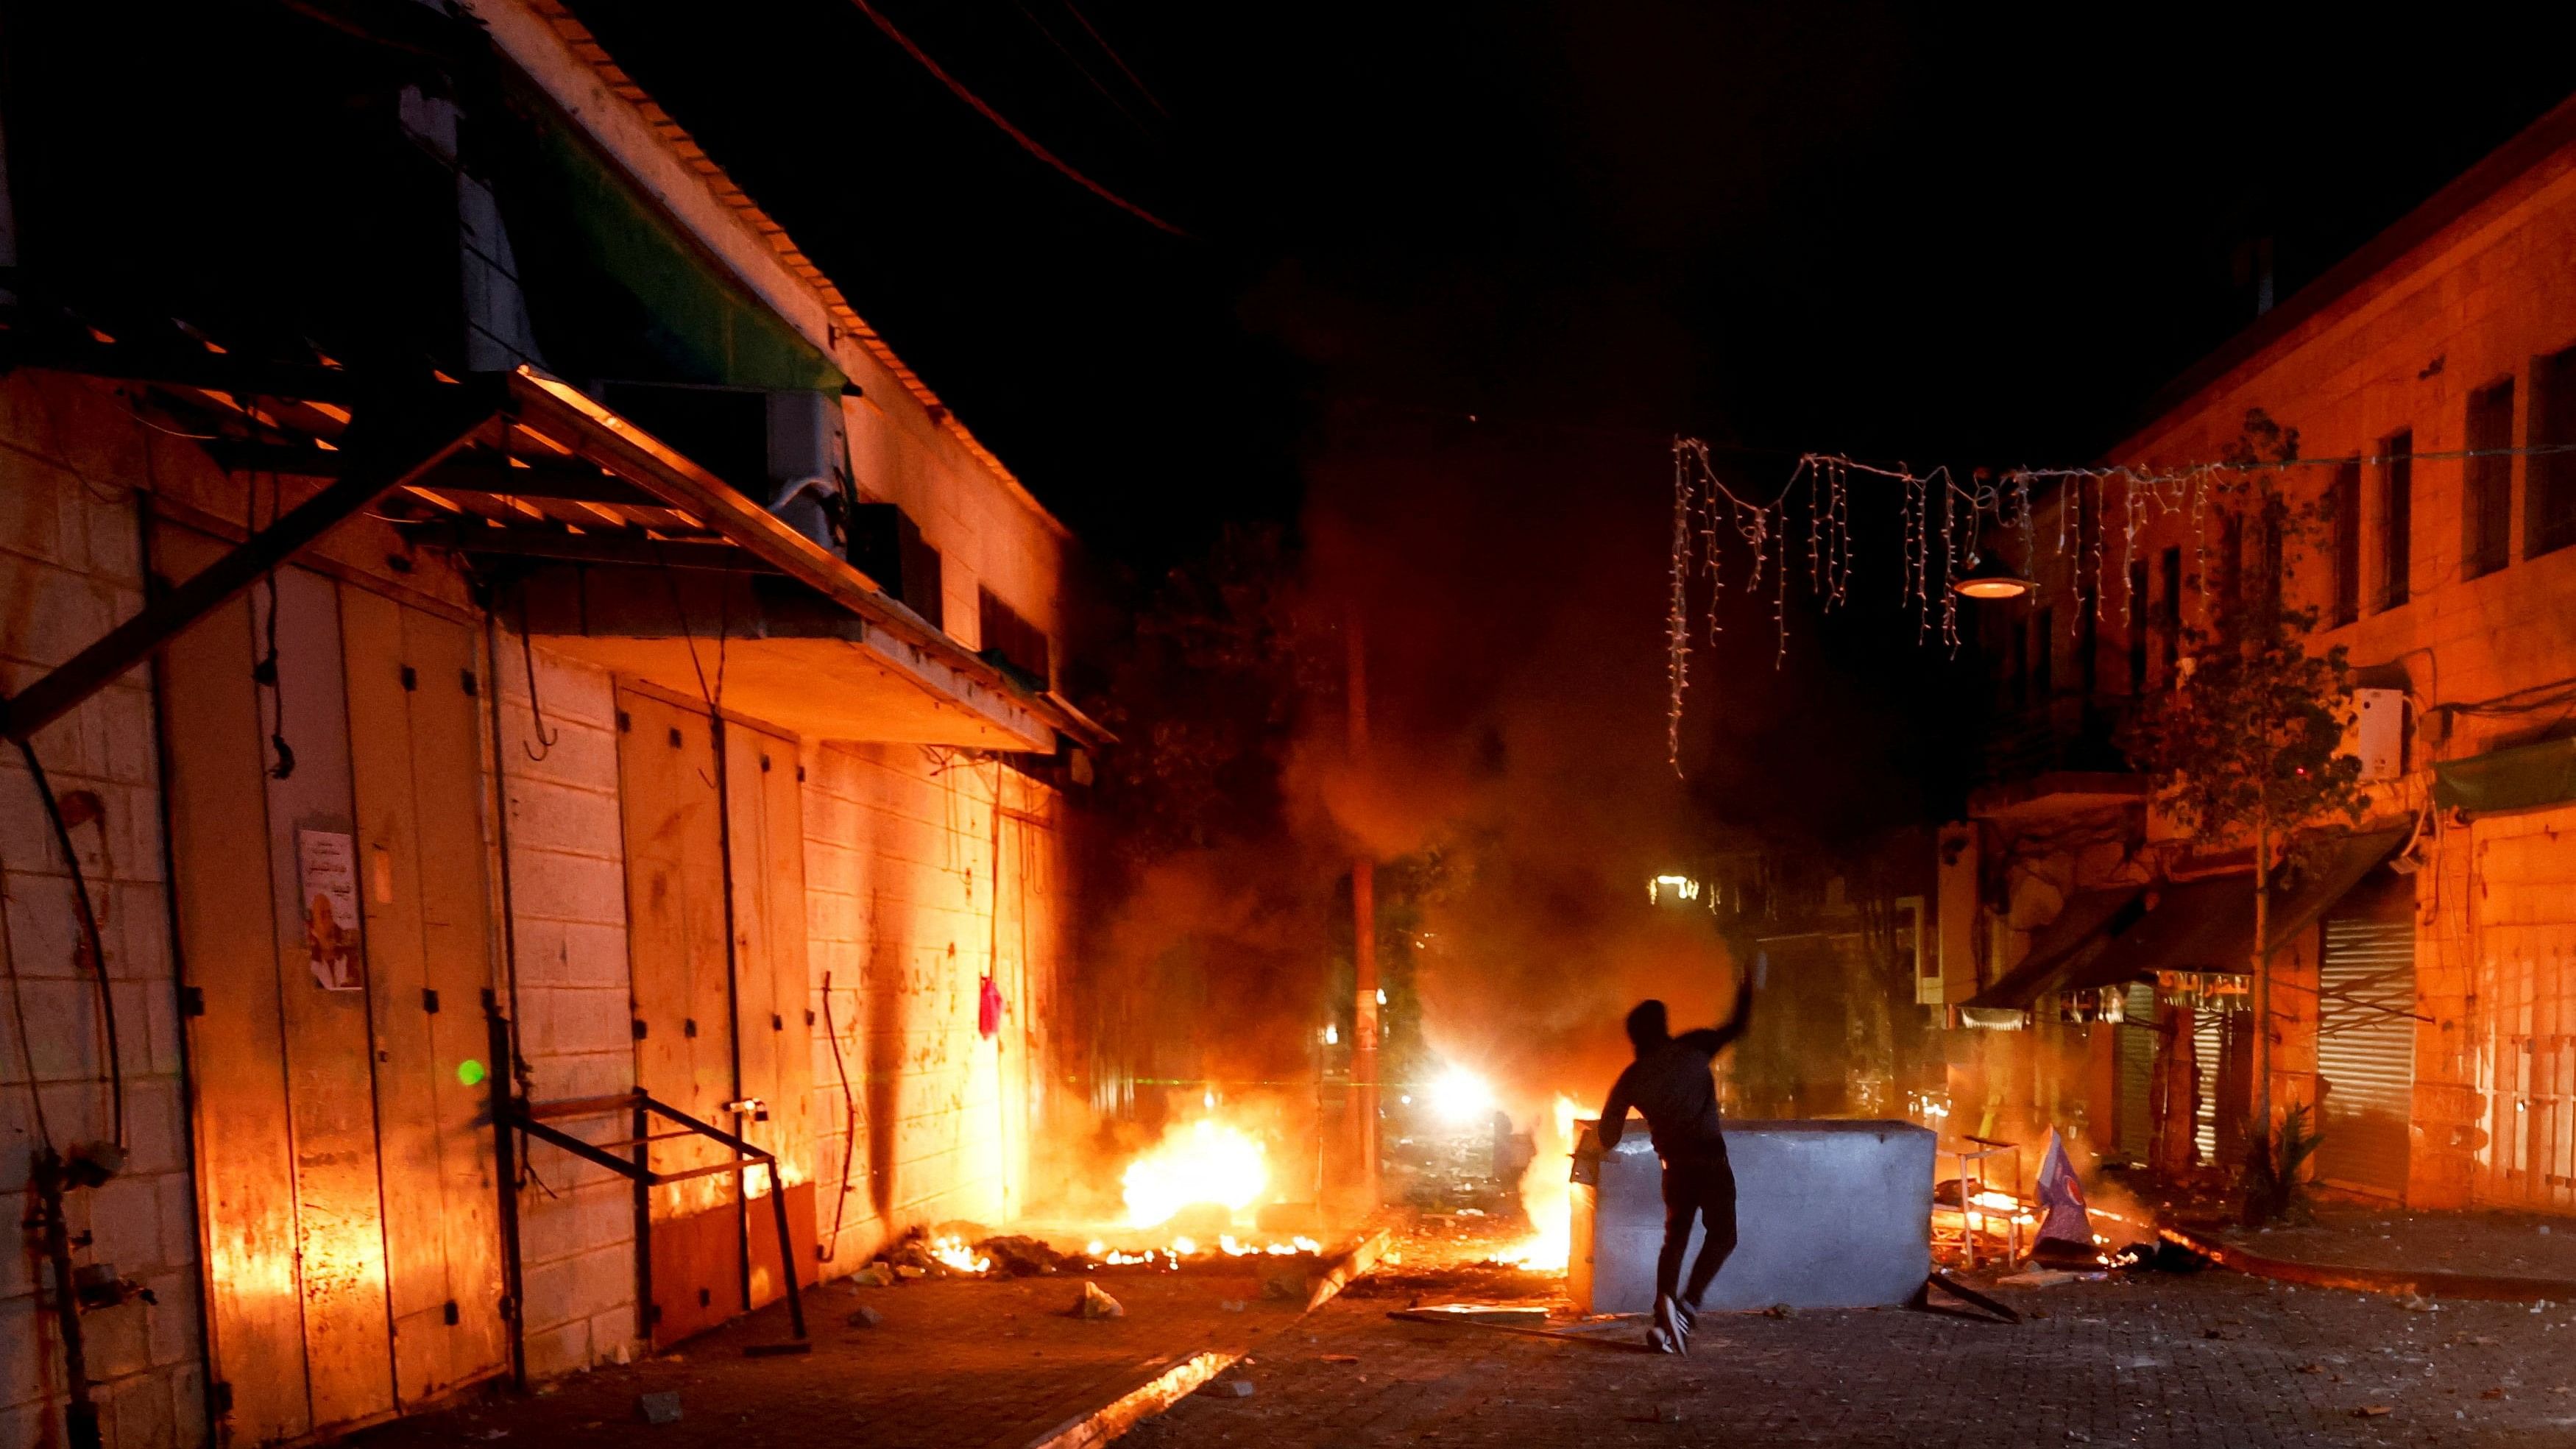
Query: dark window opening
{"x": 2088, "y": 592}
{"x": 2487, "y": 498}
{"x": 2347, "y": 542}
{"x": 2139, "y": 606}
{"x": 887, "y": 546}
{"x": 2396, "y": 519}
{"x": 2549, "y": 480}
{"x": 1010, "y": 639}
{"x": 2231, "y": 564}
{"x": 2043, "y": 655}
{"x": 2170, "y": 607}
{"x": 2267, "y": 585}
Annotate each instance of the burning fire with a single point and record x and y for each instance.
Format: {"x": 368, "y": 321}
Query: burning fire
{"x": 1204, "y": 1162}
{"x": 1460, "y": 1096}
{"x": 957, "y": 1256}
{"x": 1546, "y": 1193}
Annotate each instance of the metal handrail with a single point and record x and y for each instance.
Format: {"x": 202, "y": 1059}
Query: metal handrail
{"x": 531, "y": 1118}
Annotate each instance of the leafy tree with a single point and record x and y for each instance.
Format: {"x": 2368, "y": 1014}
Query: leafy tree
{"x": 2247, "y": 743}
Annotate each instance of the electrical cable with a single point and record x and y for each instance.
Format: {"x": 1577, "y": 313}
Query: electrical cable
{"x": 1083, "y": 70}
{"x": 26, "y": 1048}
{"x": 89, "y": 927}
{"x": 1114, "y": 58}
{"x": 536, "y": 708}
{"x": 1027, "y": 143}
{"x": 850, "y": 1122}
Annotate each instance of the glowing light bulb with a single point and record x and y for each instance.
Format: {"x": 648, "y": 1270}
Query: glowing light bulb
{"x": 1459, "y": 1095}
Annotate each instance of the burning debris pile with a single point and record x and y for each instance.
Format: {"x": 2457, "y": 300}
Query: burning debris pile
{"x": 1194, "y": 1199}
{"x": 1546, "y": 1189}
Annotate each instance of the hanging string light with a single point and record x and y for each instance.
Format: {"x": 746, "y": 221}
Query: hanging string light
{"x": 1943, "y": 524}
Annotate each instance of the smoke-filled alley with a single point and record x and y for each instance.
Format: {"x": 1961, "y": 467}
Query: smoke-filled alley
{"x": 1028, "y": 723}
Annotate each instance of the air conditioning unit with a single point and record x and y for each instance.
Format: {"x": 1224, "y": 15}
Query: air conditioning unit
{"x": 2378, "y": 735}
{"x": 809, "y": 464}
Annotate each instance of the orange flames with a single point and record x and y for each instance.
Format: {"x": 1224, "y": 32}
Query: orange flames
{"x": 1546, "y": 1192}
{"x": 1202, "y": 1162}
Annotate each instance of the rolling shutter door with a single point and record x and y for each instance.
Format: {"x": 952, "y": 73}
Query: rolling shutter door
{"x": 2366, "y": 1052}
{"x": 2136, "y": 1047}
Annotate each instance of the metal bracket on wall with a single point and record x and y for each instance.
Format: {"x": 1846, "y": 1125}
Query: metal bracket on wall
{"x": 533, "y": 1119}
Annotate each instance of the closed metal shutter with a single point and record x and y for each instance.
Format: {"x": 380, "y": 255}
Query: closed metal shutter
{"x": 2366, "y": 1052}
{"x": 2208, "y": 1048}
{"x": 2136, "y": 1047}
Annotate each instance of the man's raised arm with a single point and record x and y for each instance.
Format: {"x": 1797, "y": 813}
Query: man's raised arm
{"x": 1614, "y": 1114}
{"x": 1710, "y": 1040}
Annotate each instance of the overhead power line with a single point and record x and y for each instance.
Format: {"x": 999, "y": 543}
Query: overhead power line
{"x": 1101, "y": 41}
{"x": 1027, "y": 142}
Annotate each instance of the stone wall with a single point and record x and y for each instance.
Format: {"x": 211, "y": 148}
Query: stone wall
{"x": 70, "y": 567}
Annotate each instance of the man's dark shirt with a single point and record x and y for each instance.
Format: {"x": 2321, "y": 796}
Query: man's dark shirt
{"x": 1671, "y": 1083}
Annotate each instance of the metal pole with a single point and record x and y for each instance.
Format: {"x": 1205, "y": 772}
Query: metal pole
{"x": 501, "y": 1101}
{"x": 1364, "y": 1068}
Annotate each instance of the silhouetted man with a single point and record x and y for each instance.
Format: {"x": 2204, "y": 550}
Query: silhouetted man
{"x": 1671, "y": 1083}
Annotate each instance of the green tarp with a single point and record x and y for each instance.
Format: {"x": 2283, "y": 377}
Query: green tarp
{"x": 2515, "y": 779}
{"x": 616, "y": 289}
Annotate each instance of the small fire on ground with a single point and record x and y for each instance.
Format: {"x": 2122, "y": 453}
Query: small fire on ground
{"x": 1185, "y": 1199}
{"x": 1547, "y": 1193}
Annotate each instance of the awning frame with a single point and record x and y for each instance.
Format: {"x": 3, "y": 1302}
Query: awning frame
{"x": 580, "y": 479}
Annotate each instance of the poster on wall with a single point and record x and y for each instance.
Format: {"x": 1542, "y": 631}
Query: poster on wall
{"x": 326, "y": 868}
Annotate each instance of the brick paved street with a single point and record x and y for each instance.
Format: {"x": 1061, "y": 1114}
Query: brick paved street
{"x": 953, "y": 1365}
{"x": 2160, "y": 1360}
{"x": 2211, "y": 1359}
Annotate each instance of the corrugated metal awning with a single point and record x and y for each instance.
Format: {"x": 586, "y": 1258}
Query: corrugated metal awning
{"x": 2201, "y": 925}
{"x": 2088, "y": 918}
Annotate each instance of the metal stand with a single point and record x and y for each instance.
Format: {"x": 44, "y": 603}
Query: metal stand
{"x": 1975, "y": 1176}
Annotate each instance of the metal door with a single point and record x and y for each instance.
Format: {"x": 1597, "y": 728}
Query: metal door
{"x": 281, "y": 1060}
{"x": 228, "y": 946}
{"x": 766, "y": 834}
{"x": 413, "y": 689}
{"x": 683, "y": 1004}
{"x": 2135, "y": 1046}
{"x": 2522, "y": 894}
{"x": 2366, "y": 1041}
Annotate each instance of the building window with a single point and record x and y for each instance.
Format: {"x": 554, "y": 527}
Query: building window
{"x": 2139, "y": 605}
{"x": 2088, "y": 601}
{"x": 2172, "y": 609}
{"x": 2231, "y": 564}
{"x": 2396, "y": 518}
{"x": 2486, "y": 522}
{"x": 1008, "y": 638}
{"x": 887, "y": 546}
{"x": 2347, "y": 541}
{"x": 2043, "y": 655}
{"x": 2267, "y": 584}
{"x": 2549, "y": 479}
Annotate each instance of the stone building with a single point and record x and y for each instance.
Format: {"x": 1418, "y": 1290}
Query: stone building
{"x": 2422, "y": 971}
{"x": 503, "y": 641}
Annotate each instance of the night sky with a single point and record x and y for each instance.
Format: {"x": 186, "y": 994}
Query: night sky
{"x": 1510, "y": 249}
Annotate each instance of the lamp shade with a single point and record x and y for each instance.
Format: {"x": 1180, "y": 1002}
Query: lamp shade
{"x": 1992, "y": 578}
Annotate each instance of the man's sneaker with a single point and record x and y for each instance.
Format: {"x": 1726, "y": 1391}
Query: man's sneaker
{"x": 1672, "y": 1328}
{"x": 1689, "y": 1316}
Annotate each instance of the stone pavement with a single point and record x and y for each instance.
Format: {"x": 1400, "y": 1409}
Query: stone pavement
{"x": 2207, "y": 1359}
{"x": 955, "y": 1364}
{"x": 2502, "y": 1244}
